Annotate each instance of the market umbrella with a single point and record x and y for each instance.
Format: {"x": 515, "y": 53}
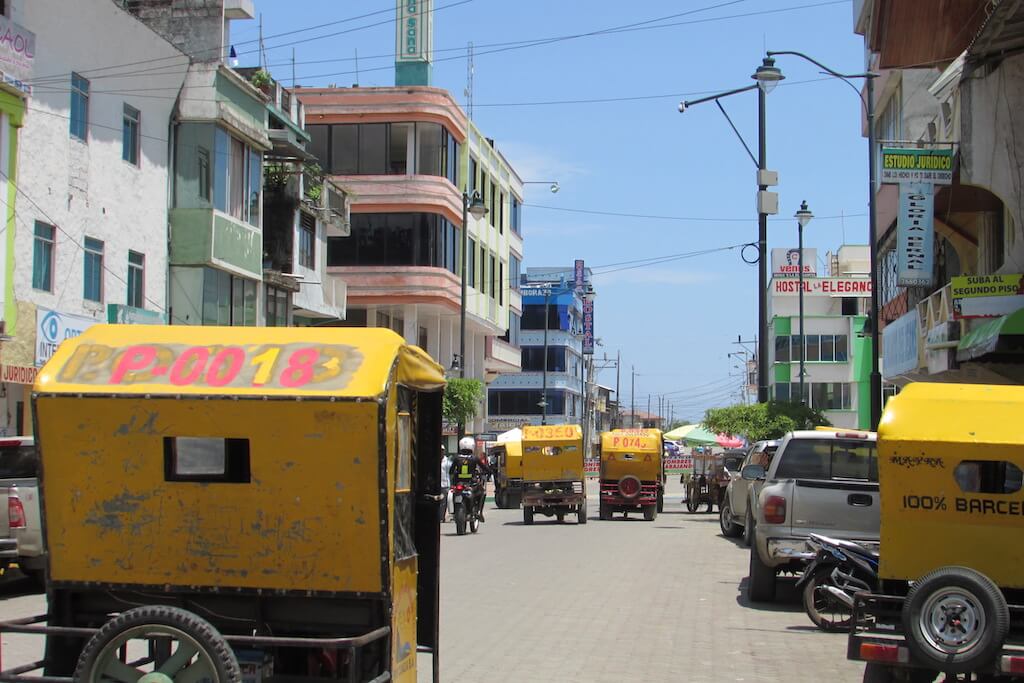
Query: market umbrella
{"x": 511, "y": 435}
{"x": 727, "y": 441}
{"x": 679, "y": 433}
{"x": 699, "y": 436}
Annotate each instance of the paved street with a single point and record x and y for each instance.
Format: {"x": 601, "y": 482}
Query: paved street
{"x": 619, "y": 601}
{"x": 610, "y": 601}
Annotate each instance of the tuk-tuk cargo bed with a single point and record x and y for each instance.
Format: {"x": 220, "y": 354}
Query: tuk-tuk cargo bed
{"x": 877, "y": 622}
{"x": 544, "y": 493}
{"x": 37, "y": 625}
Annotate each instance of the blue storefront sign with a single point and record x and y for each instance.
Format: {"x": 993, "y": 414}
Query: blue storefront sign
{"x": 914, "y": 235}
{"x": 900, "y": 344}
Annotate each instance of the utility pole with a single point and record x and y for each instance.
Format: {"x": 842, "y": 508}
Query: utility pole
{"x": 632, "y": 397}
{"x": 618, "y": 396}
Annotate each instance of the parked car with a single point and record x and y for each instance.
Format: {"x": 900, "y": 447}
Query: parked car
{"x": 823, "y": 482}
{"x": 735, "y": 514}
{"x": 21, "y": 533}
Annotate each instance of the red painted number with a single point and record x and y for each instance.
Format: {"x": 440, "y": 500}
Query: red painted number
{"x": 133, "y": 359}
{"x": 225, "y": 366}
{"x": 300, "y": 368}
{"x": 189, "y": 366}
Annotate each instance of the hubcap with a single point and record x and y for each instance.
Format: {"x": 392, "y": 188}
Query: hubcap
{"x": 156, "y": 678}
{"x": 952, "y": 620}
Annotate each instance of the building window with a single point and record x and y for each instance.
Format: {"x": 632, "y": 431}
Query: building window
{"x": 516, "y": 216}
{"x": 131, "y": 129}
{"x": 525, "y": 402}
{"x": 826, "y": 348}
{"x": 514, "y": 270}
{"x": 228, "y": 299}
{"x": 782, "y": 349}
{"x": 278, "y": 307}
{"x": 398, "y": 239}
{"x": 237, "y": 178}
{"x": 494, "y": 275}
{"x": 482, "y": 270}
{"x": 93, "y": 268}
{"x": 203, "y": 170}
{"x": 501, "y": 213}
{"x": 501, "y": 283}
{"x": 43, "y": 249}
{"x": 136, "y": 279}
{"x": 512, "y": 332}
{"x": 493, "y": 213}
{"x": 557, "y": 315}
{"x": 533, "y": 359}
{"x": 818, "y": 395}
{"x": 471, "y": 264}
{"x": 386, "y": 148}
{"x": 471, "y": 180}
{"x": 79, "y": 107}
{"x": 307, "y": 241}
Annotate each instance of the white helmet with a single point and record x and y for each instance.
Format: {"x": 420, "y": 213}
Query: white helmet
{"x": 467, "y": 443}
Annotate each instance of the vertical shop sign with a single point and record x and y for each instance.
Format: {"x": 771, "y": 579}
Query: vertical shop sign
{"x": 915, "y": 235}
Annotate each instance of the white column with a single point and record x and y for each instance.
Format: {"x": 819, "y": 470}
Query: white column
{"x": 371, "y": 316}
{"x": 411, "y": 324}
{"x": 444, "y": 356}
{"x": 433, "y": 325}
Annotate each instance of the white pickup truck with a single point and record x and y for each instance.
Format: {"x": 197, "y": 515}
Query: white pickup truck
{"x": 823, "y": 482}
{"x": 21, "y": 532}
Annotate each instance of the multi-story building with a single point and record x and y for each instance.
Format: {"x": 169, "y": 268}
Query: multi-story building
{"x": 408, "y": 155}
{"x": 964, "y": 98}
{"x": 86, "y": 241}
{"x": 551, "y": 327}
{"x": 301, "y": 210}
{"x": 837, "y": 354}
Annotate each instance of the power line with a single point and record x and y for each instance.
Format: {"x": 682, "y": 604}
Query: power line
{"x": 698, "y": 219}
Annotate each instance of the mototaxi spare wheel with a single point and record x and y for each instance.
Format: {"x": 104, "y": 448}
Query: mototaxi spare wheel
{"x": 629, "y": 486}
{"x": 956, "y": 620}
{"x": 197, "y": 650}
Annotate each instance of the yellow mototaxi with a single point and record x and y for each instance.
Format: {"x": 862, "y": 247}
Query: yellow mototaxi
{"x": 508, "y": 475}
{"x": 632, "y": 472}
{"x": 553, "y": 476}
{"x": 226, "y": 497}
{"x": 950, "y": 461}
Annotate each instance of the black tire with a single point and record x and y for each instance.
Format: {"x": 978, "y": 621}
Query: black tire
{"x": 760, "y": 579}
{"x": 560, "y": 516}
{"x": 37, "y": 577}
{"x": 460, "y": 519}
{"x": 832, "y": 620}
{"x": 168, "y": 620}
{"x": 661, "y": 501}
{"x": 748, "y": 527}
{"x": 604, "y": 511}
{"x": 880, "y": 673}
{"x": 474, "y": 524}
{"x": 692, "y": 503}
{"x": 527, "y": 516}
{"x": 981, "y": 605}
{"x": 650, "y": 512}
{"x": 581, "y": 512}
{"x": 500, "y": 498}
{"x": 730, "y": 529}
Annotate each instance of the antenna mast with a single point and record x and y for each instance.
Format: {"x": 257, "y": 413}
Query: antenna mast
{"x": 469, "y": 80}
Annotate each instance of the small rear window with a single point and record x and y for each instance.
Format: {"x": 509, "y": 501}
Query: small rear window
{"x": 18, "y": 462}
{"x": 828, "y": 459}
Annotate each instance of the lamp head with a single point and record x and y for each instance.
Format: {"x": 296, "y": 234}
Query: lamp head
{"x": 682, "y": 107}
{"x": 803, "y": 215}
{"x": 768, "y": 75}
{"x": 555, "y": 188}
{"x": 476, "y": 206}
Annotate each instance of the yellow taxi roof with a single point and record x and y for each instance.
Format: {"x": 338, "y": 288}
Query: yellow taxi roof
{"x": 241, "y": 361}
{"x": 968, "y": 413}
{"x": 549, "y": 433}
{"x": 632, "y": 440}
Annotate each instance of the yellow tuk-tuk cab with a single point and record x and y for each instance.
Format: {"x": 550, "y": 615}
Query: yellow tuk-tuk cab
{"x": 950, "y": 458}
{"x": 281, "y": 484}
{"x": 508, "y": 476}
{"x": 553, "y": 474}
{"x": 632, "y": 472}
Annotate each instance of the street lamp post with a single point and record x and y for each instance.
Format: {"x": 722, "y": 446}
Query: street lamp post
{"x": 803, "y": 217}
{"x": 868, "y": 99}
{"x": 471, "y": 205}
{"x": 767, "y": 76}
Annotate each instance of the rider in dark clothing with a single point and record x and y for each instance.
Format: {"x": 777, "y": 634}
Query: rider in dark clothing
{"x": 468, "y": 470}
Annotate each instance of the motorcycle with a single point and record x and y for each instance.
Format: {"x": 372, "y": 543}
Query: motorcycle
{"x": 839, "y": 570}
{"x": 466, "y": 509}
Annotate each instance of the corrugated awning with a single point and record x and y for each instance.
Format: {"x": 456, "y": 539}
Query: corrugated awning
{"x": 1002, "y": 335}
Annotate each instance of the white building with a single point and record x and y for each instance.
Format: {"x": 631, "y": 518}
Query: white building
{"x": 90, "y": 240}
{"x": 837, "y": 354}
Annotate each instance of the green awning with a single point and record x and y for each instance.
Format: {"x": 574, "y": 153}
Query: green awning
{"x": 993, "y": 337}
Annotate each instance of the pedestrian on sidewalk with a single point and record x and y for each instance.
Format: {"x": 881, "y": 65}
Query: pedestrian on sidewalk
{"x": 446, "y": 482}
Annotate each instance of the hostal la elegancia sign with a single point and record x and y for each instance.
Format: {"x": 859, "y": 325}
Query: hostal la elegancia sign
{"x": 912, "y": 165}
{"x": 413, "y": 34}
{"x": 823, "y": 286}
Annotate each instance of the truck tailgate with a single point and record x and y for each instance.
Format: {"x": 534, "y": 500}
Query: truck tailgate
{"x": 846, "y": 509}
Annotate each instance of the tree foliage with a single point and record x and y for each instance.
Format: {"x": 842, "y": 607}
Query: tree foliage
{"x": 762, "y": 420}
{"x": 461, "y": 399}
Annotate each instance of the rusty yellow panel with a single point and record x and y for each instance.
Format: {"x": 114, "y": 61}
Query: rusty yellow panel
{"x": 308, "y": 519}
{"x": 236, "y": 361}
{"x": 636, "y": 452}
{"x": 552, "y": 453}
{"x": 932, "y": 512}
{"x": 403, "y": 622}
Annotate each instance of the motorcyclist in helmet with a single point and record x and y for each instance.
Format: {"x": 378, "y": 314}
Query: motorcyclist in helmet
{"x": 469, "y": 471}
